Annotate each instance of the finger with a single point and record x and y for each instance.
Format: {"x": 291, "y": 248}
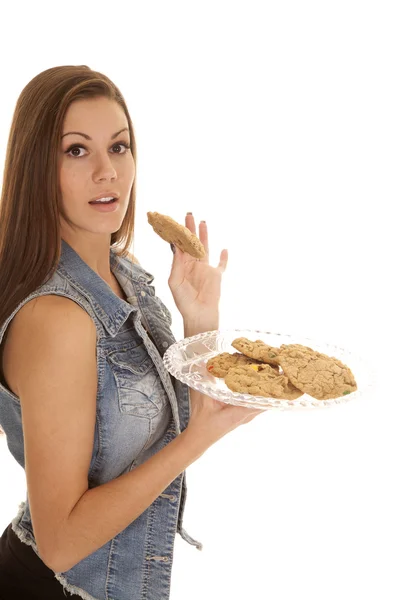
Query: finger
{"x": 177, "y": 269}
{"x": 223, "y": 263}
{"x": 203, "y": 237}
{"x": 190, "y": 222}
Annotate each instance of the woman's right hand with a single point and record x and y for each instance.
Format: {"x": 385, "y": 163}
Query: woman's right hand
{"x": 213, "y": 419}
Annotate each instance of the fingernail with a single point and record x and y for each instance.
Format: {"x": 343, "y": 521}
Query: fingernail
{"x": 173, "y": 248}
{"x": 189, "y": 213}
{"x": 202, "y": 221}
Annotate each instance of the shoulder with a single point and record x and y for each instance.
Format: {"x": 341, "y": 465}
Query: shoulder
{"x": 49, "y": 314}
{"x": 43, "y": 327}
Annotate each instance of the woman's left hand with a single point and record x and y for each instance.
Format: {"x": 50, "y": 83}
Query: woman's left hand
{"x": 195, "y": 285}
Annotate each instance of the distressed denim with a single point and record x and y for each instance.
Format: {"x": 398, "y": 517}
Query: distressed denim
{"x": 140, "y": 408}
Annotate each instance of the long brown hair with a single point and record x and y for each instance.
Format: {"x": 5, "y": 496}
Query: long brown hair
{"x": 30, "y": 202}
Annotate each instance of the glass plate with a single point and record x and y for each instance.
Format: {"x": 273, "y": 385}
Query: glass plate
{"x": 186, "y": 360}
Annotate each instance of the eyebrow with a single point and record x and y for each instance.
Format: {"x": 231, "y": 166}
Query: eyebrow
{"x": 89, "y": 138}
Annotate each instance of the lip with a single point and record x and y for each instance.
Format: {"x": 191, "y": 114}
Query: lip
{"x": 105, "y": 195}
{"x": 106, "y": 208}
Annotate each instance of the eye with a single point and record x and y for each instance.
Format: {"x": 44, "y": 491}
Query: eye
{"x": 79, "y": 146}
{"x": 124, "y": 144}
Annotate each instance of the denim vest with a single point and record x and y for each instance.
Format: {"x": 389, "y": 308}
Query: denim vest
{"x": 140, "y": 408}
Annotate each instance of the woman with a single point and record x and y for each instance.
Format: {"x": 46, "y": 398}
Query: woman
{"x": 103, "y": 432}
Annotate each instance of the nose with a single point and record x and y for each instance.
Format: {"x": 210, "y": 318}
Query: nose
{"x": 104, "y": 167}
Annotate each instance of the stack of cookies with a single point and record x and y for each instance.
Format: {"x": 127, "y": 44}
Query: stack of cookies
{"x": 284, "y": 373}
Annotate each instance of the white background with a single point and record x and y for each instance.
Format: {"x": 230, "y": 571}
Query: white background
{"x": 278, "y": 123}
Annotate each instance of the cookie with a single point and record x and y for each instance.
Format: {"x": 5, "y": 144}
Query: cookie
{"x": 174, "y": 233}
{"x": 290, "y": 392}
{"x": 260, "y": 381}
{"x": 220, "y": 364}
{"x": 318, "y": 375}
{"x": 257, "y": 350}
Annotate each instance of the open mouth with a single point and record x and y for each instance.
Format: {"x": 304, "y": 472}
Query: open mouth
{"x": 103, "y": 201}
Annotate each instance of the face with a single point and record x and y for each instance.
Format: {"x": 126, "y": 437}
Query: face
{"x": 100, "y": 166}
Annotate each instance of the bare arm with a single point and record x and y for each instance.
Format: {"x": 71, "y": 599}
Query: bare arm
{"x": 53, "y": 345}
{"x": 119, "y": 502}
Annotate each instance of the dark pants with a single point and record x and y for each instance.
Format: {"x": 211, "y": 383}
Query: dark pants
{"x": 24, "y": 575}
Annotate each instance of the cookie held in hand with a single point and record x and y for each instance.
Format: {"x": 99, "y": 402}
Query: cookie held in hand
{"x": 174, "y": 233}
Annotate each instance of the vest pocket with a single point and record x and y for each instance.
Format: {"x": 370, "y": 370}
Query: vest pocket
{"x": 140, "y": 391}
